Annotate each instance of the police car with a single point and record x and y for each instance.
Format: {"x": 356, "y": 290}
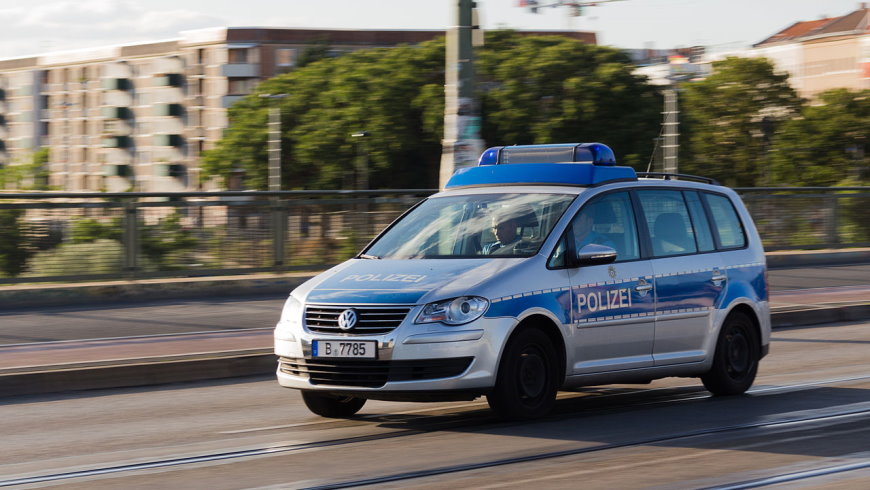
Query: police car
{"x": 545, "y": 267}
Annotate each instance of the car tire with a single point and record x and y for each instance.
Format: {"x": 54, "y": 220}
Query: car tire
{"x": 332, "y": 406}
{"x": 735, "y": 362}
{"x": 528, "y": 377}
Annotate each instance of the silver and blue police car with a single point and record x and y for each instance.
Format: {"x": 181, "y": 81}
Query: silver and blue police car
{"x": 544, "y": 267}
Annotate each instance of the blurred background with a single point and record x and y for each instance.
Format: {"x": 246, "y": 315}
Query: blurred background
{"x": 123, "y": 126}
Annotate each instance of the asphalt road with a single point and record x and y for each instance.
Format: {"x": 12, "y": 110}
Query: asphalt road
{"x": 190, "y": 316}
{"x": 808, "y": 411}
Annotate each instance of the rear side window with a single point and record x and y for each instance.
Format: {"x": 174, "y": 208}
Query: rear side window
{"x": 699, "y": 220}
{"x": 725, "y": 221}
{"x": 668, "y": 222}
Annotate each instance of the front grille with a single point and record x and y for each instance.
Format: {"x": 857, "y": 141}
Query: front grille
{"x": 371, "y": 319}
{"x": 372, "y": 374}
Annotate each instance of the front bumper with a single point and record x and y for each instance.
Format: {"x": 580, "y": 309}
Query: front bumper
{"x": 411, "y": 358}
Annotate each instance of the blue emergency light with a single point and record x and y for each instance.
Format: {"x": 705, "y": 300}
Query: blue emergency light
{"x": 575, "y": 164}
{"x": 594, "y": 153}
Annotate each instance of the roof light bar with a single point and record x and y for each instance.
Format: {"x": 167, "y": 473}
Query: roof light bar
{"x": 594, "y": 153}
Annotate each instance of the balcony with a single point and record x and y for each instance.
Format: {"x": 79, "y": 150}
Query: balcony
{"x": 168, "y": 80}
{"x": 167, "y": 140}
{"x": 116, "y": 112}
{"x": 168, "y": 110}
{"x": 119, "y": 170}
{"x": 116, "y": 84}
{"x": 119, "y": 141}
{"x": 245, "y": 70}
{"x": 197, "y": 101}
{"x": 196, "y": 70}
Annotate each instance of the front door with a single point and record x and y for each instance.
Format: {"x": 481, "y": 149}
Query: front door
{"x": 612, "y": 305}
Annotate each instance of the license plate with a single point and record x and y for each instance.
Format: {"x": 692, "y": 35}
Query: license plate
{"x": 345, "y": 349}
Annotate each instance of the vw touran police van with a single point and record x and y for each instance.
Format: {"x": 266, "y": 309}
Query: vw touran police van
{"x": 545, "y": 267}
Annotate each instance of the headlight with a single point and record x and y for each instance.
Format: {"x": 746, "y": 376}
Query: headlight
{"x": 292, "y": 312}
{"x": 454, "y": 311}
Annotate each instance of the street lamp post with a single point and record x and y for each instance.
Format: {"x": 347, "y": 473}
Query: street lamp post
{"x": 362, "y": 170}
{"x": 274, "y": 142}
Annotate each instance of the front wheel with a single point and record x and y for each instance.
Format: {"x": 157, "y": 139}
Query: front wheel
{"x": 527, "y": 377}
{"x": 736, "y": 357}
{"x": 327, "y": 405}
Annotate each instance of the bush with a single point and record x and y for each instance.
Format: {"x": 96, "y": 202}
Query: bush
{"x": 12, "y": 251}
{"x": 81, "y": 259}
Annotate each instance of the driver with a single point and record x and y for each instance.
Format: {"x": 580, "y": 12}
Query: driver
{"x": 584, "y": 234}
{"x": 505, "y": 232}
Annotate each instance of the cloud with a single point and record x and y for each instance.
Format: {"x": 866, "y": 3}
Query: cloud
{"x": 66, "y": 24}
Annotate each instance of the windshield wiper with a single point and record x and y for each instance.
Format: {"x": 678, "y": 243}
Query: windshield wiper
{"x": 370, "y": 257}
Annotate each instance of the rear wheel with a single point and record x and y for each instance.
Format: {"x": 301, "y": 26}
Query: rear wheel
{"x": 332, "y": 406}
{"x": 527, "y": 377}
{"x": 736, "y": 359}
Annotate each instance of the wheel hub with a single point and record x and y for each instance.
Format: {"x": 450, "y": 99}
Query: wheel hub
{"x": 533, "y": 375}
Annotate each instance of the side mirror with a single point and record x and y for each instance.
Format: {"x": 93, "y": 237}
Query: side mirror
{"x": 594, "y": 254}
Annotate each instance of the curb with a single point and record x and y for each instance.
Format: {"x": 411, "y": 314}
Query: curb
{"x": 816, "y": 316}
{"x": 114, "y": 292}
{"x": 779, "y": 260}
{"x": 156, "y": 372}
{"x": 159, "y": 371}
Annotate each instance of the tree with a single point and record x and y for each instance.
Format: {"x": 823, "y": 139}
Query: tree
{"x": 13, "y": 253}
{"x": 553, "y": 89}
{"x": 725, "y": 116}
{"x": 533, "y": 90}
{"x": 827, "y": 144}
{"x": 27, "y": 176}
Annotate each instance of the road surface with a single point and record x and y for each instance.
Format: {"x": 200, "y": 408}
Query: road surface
{"x": 806, "y": 421}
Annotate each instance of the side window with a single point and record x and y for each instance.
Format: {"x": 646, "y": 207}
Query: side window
{"x": 668, "y": 222}
{"x": 607, "y": 220}
{"x": 726, "y": 221}
{"x": 699, "y": 222}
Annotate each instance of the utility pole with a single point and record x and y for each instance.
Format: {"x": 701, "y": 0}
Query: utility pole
{"x": 461, "y": 145}
{"x": 671, "y": 133}
{"x": 274, "y": 150}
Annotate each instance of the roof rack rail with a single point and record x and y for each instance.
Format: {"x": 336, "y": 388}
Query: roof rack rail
{"x": 670, "y": 176}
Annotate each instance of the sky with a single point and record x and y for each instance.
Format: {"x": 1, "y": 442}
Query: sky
{"x": 38, "y": 26}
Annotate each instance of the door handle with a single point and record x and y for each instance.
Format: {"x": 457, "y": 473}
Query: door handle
{"x": 642, "y": 288}
{"x": 719, "y": 278}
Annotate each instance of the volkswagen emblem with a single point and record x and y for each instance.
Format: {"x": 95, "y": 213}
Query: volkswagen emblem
{"x": 347, "y": 319}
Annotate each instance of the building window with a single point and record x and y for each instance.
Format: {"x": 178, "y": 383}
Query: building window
{"x": 285, "y": 57}
{"x": 240, "y": 86}
{"x": 237, "y": 55}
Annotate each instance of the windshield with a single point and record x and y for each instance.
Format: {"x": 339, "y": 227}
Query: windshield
{"x": 471, "y": 226}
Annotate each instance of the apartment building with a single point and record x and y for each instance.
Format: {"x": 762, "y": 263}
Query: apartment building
{"x": 824, "y": 53}
{"x": 137, "y": 117}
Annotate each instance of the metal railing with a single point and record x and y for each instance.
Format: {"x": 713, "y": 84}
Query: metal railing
{"x": 50, "y": 237}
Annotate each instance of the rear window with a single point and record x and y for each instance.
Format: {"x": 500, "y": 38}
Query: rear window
{"x": 726, "y": 223}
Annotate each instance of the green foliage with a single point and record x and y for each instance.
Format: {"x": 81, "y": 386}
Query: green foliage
{"x": 86, "y": 230}
{"x": 722, "y": 116}
{"x": 827, "y": 144}
{"x": 161, "y": 242}
{"x": 27, "y": 176}
{"x": 315, "y": 52}
{"x": 534, "y": 90}
{"x": 80, "y": 259}
{"x": 12, "y": 251}
{"x": 552, "y": 89}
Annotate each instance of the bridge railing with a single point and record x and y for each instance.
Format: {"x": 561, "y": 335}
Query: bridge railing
{"x": 50, "y": 237}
